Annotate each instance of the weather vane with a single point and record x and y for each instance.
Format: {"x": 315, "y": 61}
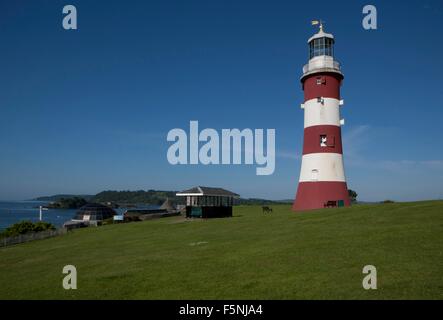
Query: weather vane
{"x": 319, "y": 23}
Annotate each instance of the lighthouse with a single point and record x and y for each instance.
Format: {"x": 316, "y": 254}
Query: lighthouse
{"x": 322, "y": 180}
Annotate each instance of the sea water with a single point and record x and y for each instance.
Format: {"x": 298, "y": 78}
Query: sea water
{"x": 15, "y": 211}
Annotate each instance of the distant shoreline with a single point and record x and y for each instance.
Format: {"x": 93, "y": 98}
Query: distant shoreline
{"x": 149, "y": 197}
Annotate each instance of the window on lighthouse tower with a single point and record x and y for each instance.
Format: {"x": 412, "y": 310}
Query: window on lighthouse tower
{"x": 321, "y": 80}
{"x": 314, "y": 175}
{"x": 323, "y": 141}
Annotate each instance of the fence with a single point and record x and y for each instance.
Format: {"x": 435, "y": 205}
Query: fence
{"x": 31, "y": 237}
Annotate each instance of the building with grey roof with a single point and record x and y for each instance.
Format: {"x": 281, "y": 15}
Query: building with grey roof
{"x": 207, "y": 202}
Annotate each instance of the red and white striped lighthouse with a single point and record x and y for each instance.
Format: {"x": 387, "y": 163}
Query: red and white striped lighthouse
{"x": 322, "y": 180}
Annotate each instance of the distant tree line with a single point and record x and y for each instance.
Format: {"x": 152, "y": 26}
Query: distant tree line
{"x": 257, "y": 201}
{"x": 68, "y": 203}
{"x": 58, "y": 197}
{"x": 156, "y": 197}
{"x": 153, "y": 197}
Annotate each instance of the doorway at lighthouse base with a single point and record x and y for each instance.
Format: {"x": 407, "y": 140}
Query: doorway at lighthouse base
{"x": 324, "y": 194}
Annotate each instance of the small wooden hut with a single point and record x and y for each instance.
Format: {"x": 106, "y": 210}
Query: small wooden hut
{"x": 206, "y": 202}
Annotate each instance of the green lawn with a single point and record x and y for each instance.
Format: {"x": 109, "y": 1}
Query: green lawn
{"x": 314, "y": 255}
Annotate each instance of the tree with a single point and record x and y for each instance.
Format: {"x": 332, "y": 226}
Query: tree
{"x": 24, "y": 227}
{"x": 352, "y": 195}
{"x": 68, "y": 203}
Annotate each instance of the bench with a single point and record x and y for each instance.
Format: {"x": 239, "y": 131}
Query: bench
{"x": 330, "y": 204}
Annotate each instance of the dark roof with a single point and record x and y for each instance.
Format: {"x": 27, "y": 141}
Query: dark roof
{"x": 95, "y": 206}
{"x": 208, "y": 191}
{"x": 99, "y": 211}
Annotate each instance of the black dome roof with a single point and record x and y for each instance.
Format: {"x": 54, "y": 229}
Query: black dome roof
{"x": 94, "y": 211}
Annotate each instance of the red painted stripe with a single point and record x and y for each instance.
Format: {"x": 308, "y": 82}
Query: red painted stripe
{"x": 329, "y": 87}
{"x": 311, "y": 140}
{"x": 315, "y": 195}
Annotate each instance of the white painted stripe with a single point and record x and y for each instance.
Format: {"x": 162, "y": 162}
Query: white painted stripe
{"x": 322, "y": 167}
{"x": 326, "y": 113}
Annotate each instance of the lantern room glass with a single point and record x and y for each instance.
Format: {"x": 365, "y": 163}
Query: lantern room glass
{"x": 321, "y": 47}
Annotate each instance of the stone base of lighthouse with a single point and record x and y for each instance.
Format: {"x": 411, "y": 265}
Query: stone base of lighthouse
{"x": 321, "y": 194}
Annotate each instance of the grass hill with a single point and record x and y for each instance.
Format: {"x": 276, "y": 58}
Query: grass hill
{"x": 282, "y": 255}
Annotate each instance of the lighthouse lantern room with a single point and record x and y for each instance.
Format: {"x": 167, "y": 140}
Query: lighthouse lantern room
{"x": 322, "y": 180}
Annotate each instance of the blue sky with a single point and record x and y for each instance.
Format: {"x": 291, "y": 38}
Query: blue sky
{"x": 89, "y": 110}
